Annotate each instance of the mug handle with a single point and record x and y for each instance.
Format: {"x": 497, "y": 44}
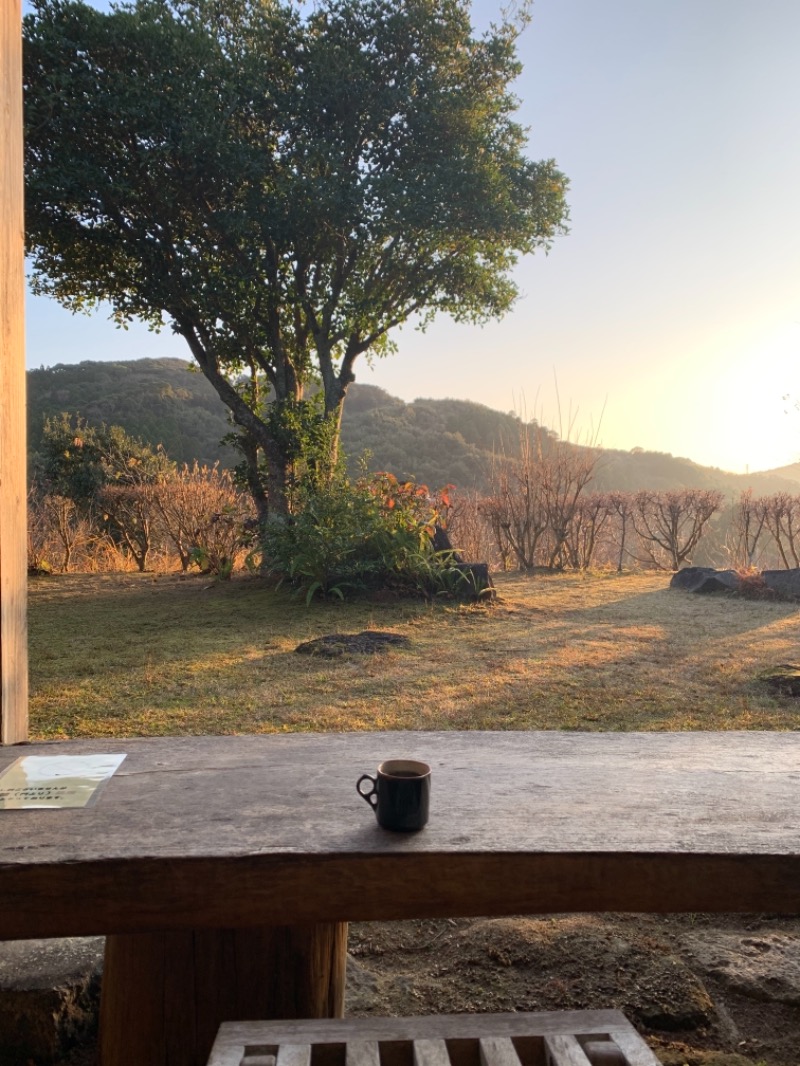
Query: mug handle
{"x": 372, "y": 796}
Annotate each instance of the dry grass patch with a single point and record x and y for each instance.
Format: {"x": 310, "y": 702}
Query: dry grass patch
{"x": 130, "y": 654}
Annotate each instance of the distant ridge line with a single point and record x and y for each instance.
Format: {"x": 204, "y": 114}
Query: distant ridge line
{"x": 438, "y": 442}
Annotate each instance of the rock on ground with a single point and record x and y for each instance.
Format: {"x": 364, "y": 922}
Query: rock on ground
{"x": 764, "y": 966}
{"x": 49, "y": 996}
{"x": 786, "y": 583}
{"x": 705, "y": 579}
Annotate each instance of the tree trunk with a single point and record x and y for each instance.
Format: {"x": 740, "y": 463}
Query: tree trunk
{"x": 335, "y": 388}
{"x": 249, "y": 449}
{"x": 622, "y": 543}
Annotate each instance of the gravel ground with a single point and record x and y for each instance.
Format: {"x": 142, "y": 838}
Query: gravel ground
{"x": 687, "y": 982}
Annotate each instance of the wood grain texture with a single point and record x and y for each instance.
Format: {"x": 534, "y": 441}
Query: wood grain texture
{"x": 294, "y": 1055}
{"x": 633, "y": 1048}
{"x": 431, "y": 1052}
{"x": 164, "y": 995}
{"x": 565, "y": 1051}
{"x": 225, "y": 832}
{"x": 13, "y": 490}
{"x": 498, "y": 1051}
{"x": 460, "y": 1037}
{"x": 362, "y": 1053}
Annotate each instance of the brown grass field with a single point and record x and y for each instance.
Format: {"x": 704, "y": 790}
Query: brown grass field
{"x": 130, "y": 654}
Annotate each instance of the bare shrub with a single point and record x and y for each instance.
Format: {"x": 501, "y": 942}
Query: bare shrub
{"x": 670, "y": 524}
{"x": 621, "y": 507}
{"x": 40, "y": 541}
{"x": 204, "y": 516}
{"x": 58, "y": 533}
{"x": 747, "y": 527}
{"x": 196, "y": 512}
{"x": 515, "y": 506}
{"x": 72, "y": 529}
{"x": 590, "y": 518}
{"x": 535, "y": 496}
{"x": 469, "y": 530}
{"x": 782, "y": 520}
{"x": 132, "y": 518}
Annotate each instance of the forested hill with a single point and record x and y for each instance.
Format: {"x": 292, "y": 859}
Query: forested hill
{"x": 438, "y": 442}
{"x": 160, "y": 400}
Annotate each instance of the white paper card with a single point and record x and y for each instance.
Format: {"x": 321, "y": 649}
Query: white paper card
{"x": 55, "y": 780}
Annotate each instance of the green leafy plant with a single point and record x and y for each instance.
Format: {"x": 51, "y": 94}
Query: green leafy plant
{"x": 352, "y": 536}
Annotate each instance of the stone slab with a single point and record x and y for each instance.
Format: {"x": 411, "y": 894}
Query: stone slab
{"x": 49, "y": 997}
{"x": 763, "y": 966}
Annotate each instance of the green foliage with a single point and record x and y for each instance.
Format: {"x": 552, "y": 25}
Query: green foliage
{"x": 306, "y": 435}
{"x": 226, "y": 533}
{"x": 77, "y": 460}
{"x": 160, "y": 401}
{"x": 283, "y": 184}
{"x": 434, "y": 441}
{"x": 220, "y": 566}
{"x": 103, "y": 470}
{"x": 351, "y": 536}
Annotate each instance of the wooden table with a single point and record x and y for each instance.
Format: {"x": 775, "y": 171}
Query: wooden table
{"x": 205, "y": 855}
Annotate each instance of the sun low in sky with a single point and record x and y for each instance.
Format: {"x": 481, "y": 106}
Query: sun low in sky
{"x": 673, "y": 306}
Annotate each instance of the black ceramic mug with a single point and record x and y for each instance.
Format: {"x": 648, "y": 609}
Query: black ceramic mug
{"x": 399, "y": 794}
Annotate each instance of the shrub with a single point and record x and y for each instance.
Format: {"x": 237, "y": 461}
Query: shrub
{"x": 205, "y": 518}
{"x": 352, "y": 536}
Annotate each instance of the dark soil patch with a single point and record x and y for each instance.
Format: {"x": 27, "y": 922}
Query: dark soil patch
{"x": 367, "y": 643}
{"x": 784, "y": 680}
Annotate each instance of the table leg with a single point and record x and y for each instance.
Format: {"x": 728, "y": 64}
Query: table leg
{"x": 164, "y": 995}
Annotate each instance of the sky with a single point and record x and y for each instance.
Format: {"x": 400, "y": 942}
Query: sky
{"x": 669, "y": 317}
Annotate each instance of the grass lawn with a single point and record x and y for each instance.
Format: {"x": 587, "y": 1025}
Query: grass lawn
{"x": 152, "y": 655}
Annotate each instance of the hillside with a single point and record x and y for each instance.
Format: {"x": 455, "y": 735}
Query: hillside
{"x": 162, "y": 401}
{"x": 437, "y": 442}
{"x": 638, "y": 469}
{"x": 790, "y": 473}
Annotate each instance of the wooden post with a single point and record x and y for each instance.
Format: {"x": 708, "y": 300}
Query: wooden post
{"x": 13, "y": 490}
{"x": 164, "y": 995}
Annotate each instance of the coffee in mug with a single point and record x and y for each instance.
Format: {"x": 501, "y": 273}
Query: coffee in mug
{"x": 399, "y": 794}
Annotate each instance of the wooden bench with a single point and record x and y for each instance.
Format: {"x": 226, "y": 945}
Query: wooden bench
{"x": 563, "y": 1038}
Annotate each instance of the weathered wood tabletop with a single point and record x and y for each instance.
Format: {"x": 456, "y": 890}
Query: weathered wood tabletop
{"x": 212, "y": 832}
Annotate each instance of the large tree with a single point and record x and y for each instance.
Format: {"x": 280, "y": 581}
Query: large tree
{"x": 283, "y": 185}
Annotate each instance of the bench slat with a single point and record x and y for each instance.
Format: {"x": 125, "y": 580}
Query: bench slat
{"x": 604, "y": 1053}
{"x": 362, "y": 1053}
{"x": 564, "y": 1050}
{"x": 636, "y": 1052}
{"x": 431, "y": 1053}
{"x": 294, "y": 1055}
{"x": 607, "y": 1035}
{"x": 498, "y": 1051}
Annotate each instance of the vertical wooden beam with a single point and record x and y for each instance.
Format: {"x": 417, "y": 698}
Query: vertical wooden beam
{"x": 165, "y": 995}
{"x": 13, "y": 531}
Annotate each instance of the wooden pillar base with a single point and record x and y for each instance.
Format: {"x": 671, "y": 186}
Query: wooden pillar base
{"x": 164, "y": 995}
